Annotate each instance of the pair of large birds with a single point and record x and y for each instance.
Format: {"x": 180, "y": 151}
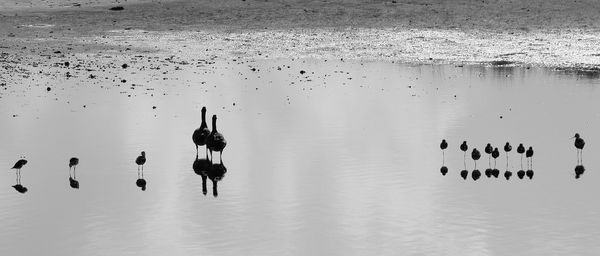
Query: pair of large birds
{"x": 213, "y": 140}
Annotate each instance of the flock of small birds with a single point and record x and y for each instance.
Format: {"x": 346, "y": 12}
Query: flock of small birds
{"x": 493, "y": 152}
{"x": 212, "y": 140}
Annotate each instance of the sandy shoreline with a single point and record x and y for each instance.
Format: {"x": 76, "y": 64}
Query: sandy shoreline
{"x": 536, "y": 33}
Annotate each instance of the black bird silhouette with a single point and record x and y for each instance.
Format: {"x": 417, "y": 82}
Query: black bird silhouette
{"x": 464, "y": 148}
{"x": 521, "y": 150}
{"x": 579, "y": 144}
{"x": 216, "y": 141}
{"x": 216, "y": 174}
{"x": 199, "y": 136}
{"x": 475, "y": 155}
{"x": 488, "y": 150}
{"x": 201, "y": 167}
{"x": 507, "y": 149}
{"x": 521, "y": 174}
{"x": 495, "y": 155}
{"x": 18, "y": 165}
{"x": 529, "y": 156}
{"x": 443, "y": 146}
{"x": 141, "y": 160}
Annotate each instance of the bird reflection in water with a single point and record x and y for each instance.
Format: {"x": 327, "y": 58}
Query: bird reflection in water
{"x": 579, "y": 169}
{"x": 216, "y": 173}
{"x": 18, "y": 165}
{"x": 201, "y": 167}
{"x": 73, "y": 162}
{"x": 443, "y": 146}
{"x": 140, "y": 161}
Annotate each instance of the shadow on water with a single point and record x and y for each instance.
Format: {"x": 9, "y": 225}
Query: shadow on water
{"x": 20, "y": 188}
{"x": 216, "y": 173}
{"x": 201, "y": 167}
{"x": 579, "y": 170}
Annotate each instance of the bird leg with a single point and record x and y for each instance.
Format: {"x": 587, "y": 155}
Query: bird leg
{"x": 221, "y": 157}
{"x": 521, "y": 161}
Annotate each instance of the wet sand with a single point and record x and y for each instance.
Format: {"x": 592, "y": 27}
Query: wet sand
{"x": 534, "y": 33}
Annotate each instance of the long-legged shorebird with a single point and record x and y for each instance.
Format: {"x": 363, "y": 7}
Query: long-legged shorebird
{"x": 199, "y": 136}
{"x": 529, "y": 156}
{"x": 141, "y": 160}
{"x": 464, "y": 147}
{"x": 488, "y": 150}
{"x": 73, "y": 162}
{"x": 216, "y": 141}
{"x": 18, "y": 165}
{"x": 495, "y": 155}
{"x": 521, "y": 150}
{"x": 475, "y": 155}
{"x": 443, "y": 146}
{"x": 507, "y": 149}
{"x": 579, "y": 144}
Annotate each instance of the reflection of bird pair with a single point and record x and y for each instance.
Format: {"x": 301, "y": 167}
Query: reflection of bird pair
{"x": 214, "y": 140}
{"x": 215, "y": 172}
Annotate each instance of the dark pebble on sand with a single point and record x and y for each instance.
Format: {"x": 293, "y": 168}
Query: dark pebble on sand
{"x": 117, "y": 8}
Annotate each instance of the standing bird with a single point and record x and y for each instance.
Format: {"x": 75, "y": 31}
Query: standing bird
{"x": 489, "y": 150}
{"x": 507, "y": 149}
{"x": 200, "y": 134}
{"x": 475, "y": 155}
{"x": 464, "y": 148}
{"x": 216, "y": 141}
{"x": 521, "y": 150}
{"x": 495, "y": 155}
{"x": 141, "y": 160}
{"x": 529, "y": 155}
{"x": 73, "y": 162}
{"x": 18, "y": 165}
{"x": 579, "y": 144}
{"x": 443, "y": 146}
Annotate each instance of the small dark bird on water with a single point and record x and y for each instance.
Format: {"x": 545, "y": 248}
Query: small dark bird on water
{"x": 495, "y": 155}
{"x": 507, "y": 149}
{"x": 216, "y": 141}
{"x": 488, "y": 150}
{"x": 529, "y": 156}
{"x": 579, "y": 144}
{"x": 199, "y": 136}
{"x": 475, "y": 155}
{"x": 141, "y": 160}
{"x": 521, "y": 150}
{"x": 443, "y": 146}
{"x": 521, "y": 174}
{"x": 464, "y": 148}
{"x": 464, "y": 174}
{"x": 18, "y": 165}
{"x": 73, "y": 162}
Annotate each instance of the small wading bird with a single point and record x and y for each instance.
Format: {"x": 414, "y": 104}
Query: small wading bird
{"x": 529, "y": 156}
{"x": 579, "y": 144}
{"x": 73, "y": 162}
{"x": 475, "y": 155}
{"x": 444, "y": 146}
{"x": 18, "y": 165}
{"x": 521, "y": 150}
{"x": 216, "y": 141}
{"x": 495, "y": 155}
{"x": 200, "y": 134}
{"x": 507, "y": 149}
{"x": 464, "y": 173}
{"x": 488, "y": 150}
{"x": 140, "y": 161}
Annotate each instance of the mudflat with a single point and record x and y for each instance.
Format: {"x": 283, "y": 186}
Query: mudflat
{"x": 556, "y": 34}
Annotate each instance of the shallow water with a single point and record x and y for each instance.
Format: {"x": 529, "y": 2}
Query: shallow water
{"x": 343, "y": 160}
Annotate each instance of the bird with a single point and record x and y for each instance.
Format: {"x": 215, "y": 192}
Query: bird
{"x": 18, "y": 165}
{"x": 199, "y": 136}
{"x": 475, "y": 155}
{"x": 443, "y": 146}
{"x": 464, "y": 148}
{"x": 507, "y": 149}
{"x": 216, "y": 141}
{"x": 488, "y": 150}
{"x": 529, "y": 156}
{"x": 579, "y": 144}
{"x": 141, "y": 183}
{"x": 579, "y": 169}
{"x": 141, "y": 160}
{"x": 521, "y": 174}
{"x": 495, "y": 154}
{"x": 521, "y": 150}
{"x": 444, "y": 170}
{"x": 73, "y": 162}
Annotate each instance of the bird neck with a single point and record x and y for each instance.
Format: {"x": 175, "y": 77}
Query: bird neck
{"x": 214, "y": 125}
{"x": 203, "y": 117}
